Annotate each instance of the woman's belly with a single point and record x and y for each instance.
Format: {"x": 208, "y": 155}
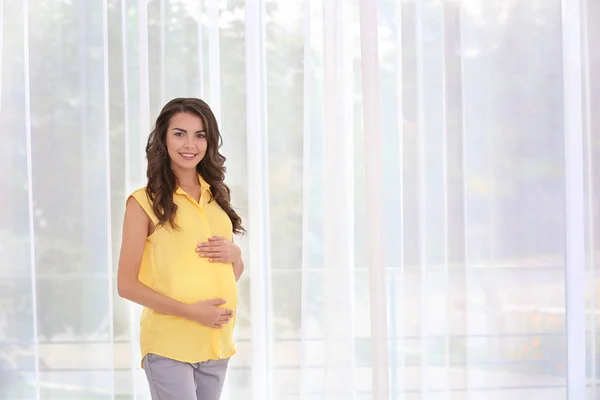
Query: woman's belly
{"x": 194, "y": 280}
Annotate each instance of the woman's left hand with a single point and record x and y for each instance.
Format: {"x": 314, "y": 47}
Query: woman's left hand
{"x": 219, "y": 249}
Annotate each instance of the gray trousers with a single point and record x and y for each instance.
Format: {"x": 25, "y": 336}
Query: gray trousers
{"x": 176, "y": 380}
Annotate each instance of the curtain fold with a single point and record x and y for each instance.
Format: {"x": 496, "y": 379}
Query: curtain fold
{"x": 338, "y": 201}
{"x": 258, "y": 203}
{"x": 373, "y": 143}
{"x": 575, "y": 246}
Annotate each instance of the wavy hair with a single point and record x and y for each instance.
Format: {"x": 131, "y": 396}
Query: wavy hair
{"x": 162, "y": 181}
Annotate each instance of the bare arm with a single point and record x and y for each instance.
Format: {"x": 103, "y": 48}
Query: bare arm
{"x": 135, "y": 230}
{"x": 238, "y": 268}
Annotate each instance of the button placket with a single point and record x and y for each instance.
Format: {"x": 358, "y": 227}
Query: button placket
{"x": 203, "y": 215}
{"x": 216, "y": 344}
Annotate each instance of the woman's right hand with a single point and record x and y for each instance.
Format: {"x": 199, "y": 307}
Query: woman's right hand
{"x": 207, "y": 313}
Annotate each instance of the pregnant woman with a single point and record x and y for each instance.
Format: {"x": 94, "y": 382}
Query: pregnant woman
{"x": 178, "y": 259}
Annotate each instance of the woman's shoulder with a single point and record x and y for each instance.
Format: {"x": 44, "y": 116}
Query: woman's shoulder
{"x": 138, "y": 192}
{"x": 140, "y": 195}
{"x": 142, "y": 199}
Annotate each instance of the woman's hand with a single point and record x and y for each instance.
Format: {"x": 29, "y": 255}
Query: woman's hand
{"x": 219, "y": 249}
{"x": 209, "y": 314}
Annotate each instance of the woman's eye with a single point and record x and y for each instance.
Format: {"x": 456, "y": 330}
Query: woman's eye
{"x": 177, "y": 133}
{"x": 201, "y": 136}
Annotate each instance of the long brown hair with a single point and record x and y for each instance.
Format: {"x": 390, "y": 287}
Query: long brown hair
{"x": 162, "y": 181}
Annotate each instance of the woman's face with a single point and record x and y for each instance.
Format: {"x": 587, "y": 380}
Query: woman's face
{"x": 186, "y": 141}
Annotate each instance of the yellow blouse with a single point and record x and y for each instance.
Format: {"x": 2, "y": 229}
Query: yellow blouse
{"x": 171, "y": 266}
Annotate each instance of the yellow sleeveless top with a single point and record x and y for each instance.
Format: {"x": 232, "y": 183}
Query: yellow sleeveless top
{"x": 171, "y": 266}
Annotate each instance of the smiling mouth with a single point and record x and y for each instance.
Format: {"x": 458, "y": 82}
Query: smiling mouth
{"x": 188, "y": 156}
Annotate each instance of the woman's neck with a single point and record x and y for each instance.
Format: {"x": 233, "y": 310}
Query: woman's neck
{"x": 187, "y": 178}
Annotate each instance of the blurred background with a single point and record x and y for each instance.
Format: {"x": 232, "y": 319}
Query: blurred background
{"x": 460, "y": 133}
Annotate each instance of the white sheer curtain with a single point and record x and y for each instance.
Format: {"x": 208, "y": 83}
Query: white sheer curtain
{"x": 418, "y": 178}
